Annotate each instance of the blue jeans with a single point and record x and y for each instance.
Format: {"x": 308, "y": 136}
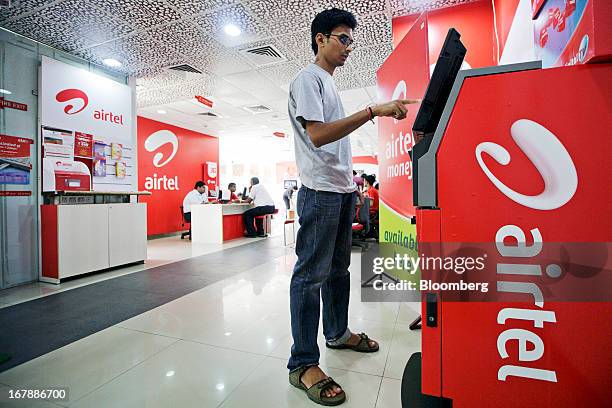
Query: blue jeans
{"x": 323, "y": 248}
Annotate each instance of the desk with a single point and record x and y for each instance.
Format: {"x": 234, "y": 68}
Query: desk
{"x": 215, "y": 223}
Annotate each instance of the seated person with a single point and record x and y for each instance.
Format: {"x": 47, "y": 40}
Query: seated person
{"x": 232, "y": 188}
{"x": 263, "y": 205}
{"x": 372, "y": 194}
{"x": 358, "y": 180}
{"x": 199, "y": 195}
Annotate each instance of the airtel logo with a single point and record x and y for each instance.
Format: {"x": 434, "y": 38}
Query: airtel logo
{"x": 152, "y": 143}
{"x": 549, "y": 157}
{"x": 72, "y": 95}
{"x": 157, "y": 140}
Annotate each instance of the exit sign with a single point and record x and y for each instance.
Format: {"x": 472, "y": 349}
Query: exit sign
{"x": 204, "y": 101}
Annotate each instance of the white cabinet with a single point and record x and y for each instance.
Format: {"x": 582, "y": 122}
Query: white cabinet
{"x": 82, "y": 239}
{"x": 127, "y": 238}
{"x": 85, "y": 238}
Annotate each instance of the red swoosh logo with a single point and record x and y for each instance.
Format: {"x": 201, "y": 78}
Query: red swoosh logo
{"x": 70, "y": 94}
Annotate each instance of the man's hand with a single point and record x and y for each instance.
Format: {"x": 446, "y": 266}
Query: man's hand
{"x": 395, "y": 109}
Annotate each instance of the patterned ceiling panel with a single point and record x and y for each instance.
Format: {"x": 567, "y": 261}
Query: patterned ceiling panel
{"x": 82, "y": 19}
{"x": 148, "y": 36}
{"x": 46, "y": 31}
{"x": 157, "y": 80}
{"x": 238, "y": 15}
{"x": 142, "y": 14}
{"x": 282, "y": 17}
{"x": 367, "y": 78}
{"x": 345, "y": 79}
{"x": 405, "y": 7}
{"x": 357, "y": 7}
{"x": 21, "y": 7}
{"x": 297, "y": 47}
{"x": 368, "y": 58}
{"x": 180, "y": 91}
{"x": 281, "y": 74}
{"x": 375, "y": 29}
{"x": 193, "y": 7}
{"x": 181, "y": 37}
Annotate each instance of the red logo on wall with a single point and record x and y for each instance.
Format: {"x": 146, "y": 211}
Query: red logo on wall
{"x": 70, "y": 95}
{"x": 170, "y": 162}
{"x": 73, "y": 95}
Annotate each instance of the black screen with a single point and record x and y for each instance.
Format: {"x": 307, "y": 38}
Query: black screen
{"x": 440, "y": 85}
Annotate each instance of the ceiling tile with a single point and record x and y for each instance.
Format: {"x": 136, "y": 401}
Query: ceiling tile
{"x": 24, "y": 6}
{"x": 238, "y": 15}
{"x": 193, "y": 7}
{"x": 182, "y": 37}
{"x": 281, "y": 74}
{"x": 375, "y": 29}
{"x": 141, "y": 14}
{"x": 283, "y": 16}
{"x": 405, "y": 7}
{"x": 357, "y": 7}
{"x": 83, "y": 20}
{"x": 141, "y": 49}
{"x": 47, "y": 32}
{"x": 368, "y": 58}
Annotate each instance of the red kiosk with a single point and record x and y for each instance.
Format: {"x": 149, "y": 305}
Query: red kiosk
{"x": 520, "y": 160}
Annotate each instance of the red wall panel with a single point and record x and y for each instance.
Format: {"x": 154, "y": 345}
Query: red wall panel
{"x": 170, "y": 161}
{"x": 474, "y": 21}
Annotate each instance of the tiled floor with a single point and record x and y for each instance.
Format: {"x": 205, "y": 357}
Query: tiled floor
{"x": 159, "y": 251}
{"x": 225, "y": 345}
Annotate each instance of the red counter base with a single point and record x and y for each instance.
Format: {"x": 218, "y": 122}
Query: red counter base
{"x": 233, "y": 227}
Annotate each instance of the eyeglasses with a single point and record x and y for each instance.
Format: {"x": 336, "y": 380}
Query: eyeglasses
{"x": 343, "y": 38}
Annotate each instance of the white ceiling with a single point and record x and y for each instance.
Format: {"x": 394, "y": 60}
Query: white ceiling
{"x": 148, "y": 36}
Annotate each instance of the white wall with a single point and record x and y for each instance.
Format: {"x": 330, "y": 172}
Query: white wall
{"x": 520, "y": 44}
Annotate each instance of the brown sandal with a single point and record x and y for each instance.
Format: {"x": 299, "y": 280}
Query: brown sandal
{"x": 315, "y": 392}
{"x": 362, "y": 347}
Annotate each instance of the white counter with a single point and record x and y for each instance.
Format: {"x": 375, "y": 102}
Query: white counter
{"x": 215, "y": 223}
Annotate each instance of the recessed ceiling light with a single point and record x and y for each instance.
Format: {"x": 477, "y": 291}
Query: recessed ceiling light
{"x": 232, "y": 30}
{"x": 5, "y": 91}
{"x": 170, "y": 373}
{"x": 111, "y": 62}
{"x": 161, "y": 111}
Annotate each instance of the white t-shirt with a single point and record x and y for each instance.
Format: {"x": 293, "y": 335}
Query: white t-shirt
{"x": 313, "y": 97}
{"x": 194, "y": 197}
{"x": 260, "y": 196}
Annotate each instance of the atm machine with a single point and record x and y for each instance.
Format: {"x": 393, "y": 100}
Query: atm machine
{"x": 514, "y": 163}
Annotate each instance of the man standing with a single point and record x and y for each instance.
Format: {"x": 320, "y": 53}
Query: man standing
{"x": 288, "y": 195}
{"x": 264, "y": 204}
{"x": 325, "y": 205}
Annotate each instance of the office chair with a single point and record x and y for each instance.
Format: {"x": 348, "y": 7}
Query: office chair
{"x": 183, "y": 221}
{"x": 361, "y": 226}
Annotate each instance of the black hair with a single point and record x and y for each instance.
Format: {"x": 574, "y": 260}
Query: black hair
{"x": 326, "y": 21}
{"x": 295, "y": 188}
{"x": 254, "y": 180}
{"x": 354, "y": 173}
{"x": 230, "y": 185}
{"x": 370, "y": 179}
{"x": 199, "y": 184}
